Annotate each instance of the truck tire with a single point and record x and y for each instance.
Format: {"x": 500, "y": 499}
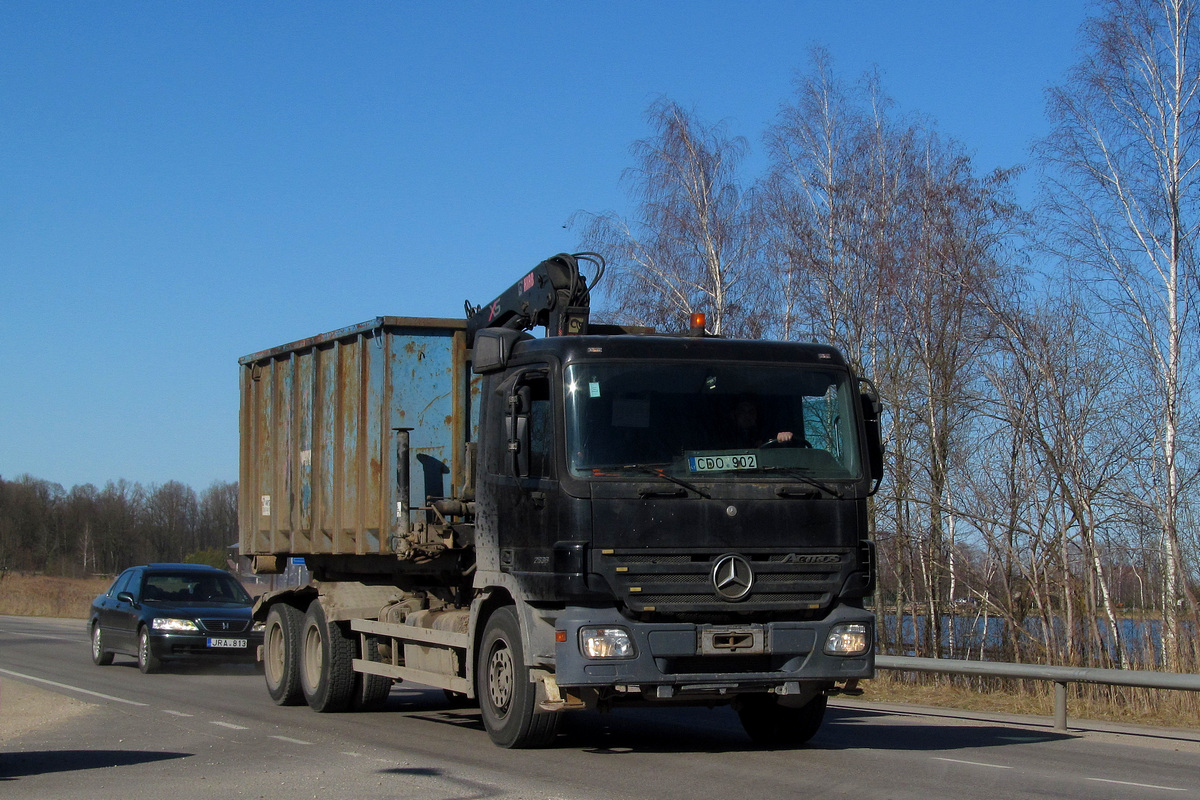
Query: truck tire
{"x": 772, "y": 725}
{"x": 147, "y": 662}
{"x": 326, "y": 656}
{"x": 100, "y": 656}
{"x": 506, "y": 697}
{"x": 370, "y": 691}
{"x": 281, "y": 654}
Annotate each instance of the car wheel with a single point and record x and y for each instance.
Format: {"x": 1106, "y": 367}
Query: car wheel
{"x": 772, "y": 725}
{"x": 100, "y": 656}
{"x": 281, "y": 654}
{"x": 326, "y": 668}
{"x": 147, "y": 661}
{"x": 506, "y": 697}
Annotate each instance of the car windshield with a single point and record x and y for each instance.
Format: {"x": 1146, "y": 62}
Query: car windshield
{"x": 207, "y": 588}
{"x": 722, "y": 421}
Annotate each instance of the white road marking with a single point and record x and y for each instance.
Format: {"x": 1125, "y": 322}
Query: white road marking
{"x": 177, "y": 713}
{"x": 228, "y": 725}
{"x": 1139, "y": 785}
{"x": 971, "y": 763}
{"x": 71, "y": 688}
{"x": 38, "y": 635}
{"x": 290, "y": 740}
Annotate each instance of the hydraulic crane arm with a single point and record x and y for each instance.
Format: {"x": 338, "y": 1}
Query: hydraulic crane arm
{"x": 553, "y": 295}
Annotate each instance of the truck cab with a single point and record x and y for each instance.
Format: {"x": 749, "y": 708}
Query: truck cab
{"x": 684, "y": 517}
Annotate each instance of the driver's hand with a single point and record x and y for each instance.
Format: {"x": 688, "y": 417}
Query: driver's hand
{"x": 783, "y": 436}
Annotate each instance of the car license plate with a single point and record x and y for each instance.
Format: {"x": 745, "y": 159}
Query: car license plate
{"x": 723, "y": 463}
{"x": 226, "y": 642}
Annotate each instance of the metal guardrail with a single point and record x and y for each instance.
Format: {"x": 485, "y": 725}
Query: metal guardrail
{"x": 1060, "y": 676}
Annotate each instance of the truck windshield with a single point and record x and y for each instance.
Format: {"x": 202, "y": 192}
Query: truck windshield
{"x": 711, "y": 421}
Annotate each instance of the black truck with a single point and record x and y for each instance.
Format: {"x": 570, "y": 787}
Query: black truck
{"x": 596, "y": 517}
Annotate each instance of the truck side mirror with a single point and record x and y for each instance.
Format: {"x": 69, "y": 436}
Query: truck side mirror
{"x": 872, "y": 409}
{"x": 492, "y": 349}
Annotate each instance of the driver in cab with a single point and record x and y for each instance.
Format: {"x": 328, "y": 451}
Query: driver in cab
{"x": 748, "y": 430}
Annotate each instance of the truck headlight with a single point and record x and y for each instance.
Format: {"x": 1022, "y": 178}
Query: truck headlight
{"x": 848, "y": 639}
{"x": 173, "y": 625}
{"x": 605, "y": 642}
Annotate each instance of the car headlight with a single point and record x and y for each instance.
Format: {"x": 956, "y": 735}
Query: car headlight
{"x": 606, "y": 642}
{"x": 258, "y": 627}
{"x": 848, "y": 639}
{"x": 173, "y": 625}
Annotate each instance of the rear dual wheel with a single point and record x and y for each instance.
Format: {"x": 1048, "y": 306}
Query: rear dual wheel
{"x": 326, "y": 671}
{"x": 307, "y": 658}
{"x": 281, "y": 654}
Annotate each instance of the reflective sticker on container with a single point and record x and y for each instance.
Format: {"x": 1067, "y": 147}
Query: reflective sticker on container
{"x": 306, "y": 458}
{"x": 399, "y": 510}
{"x": 266, "y": 505}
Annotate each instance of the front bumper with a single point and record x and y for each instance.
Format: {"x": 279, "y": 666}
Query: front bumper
{"x": 206, "y": 645}
{"x": 685, "y": 658}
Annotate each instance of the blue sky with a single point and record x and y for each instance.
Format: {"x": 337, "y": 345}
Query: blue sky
{"x": 183, "y": 183}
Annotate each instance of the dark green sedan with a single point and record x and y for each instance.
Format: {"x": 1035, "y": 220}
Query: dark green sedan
{"x": 163, "y": 612}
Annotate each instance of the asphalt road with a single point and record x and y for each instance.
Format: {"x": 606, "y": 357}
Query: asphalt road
{"x": 71, "y": 729}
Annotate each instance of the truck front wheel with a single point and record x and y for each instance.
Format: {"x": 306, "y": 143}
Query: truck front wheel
{"x": 281, "y": 654}
{"x": 506, "y": 696}
{"x": 772, "y": 725}
{"x": 326, "y": 662}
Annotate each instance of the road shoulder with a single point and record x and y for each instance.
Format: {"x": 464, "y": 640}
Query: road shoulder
{"x": 25, "y": 709}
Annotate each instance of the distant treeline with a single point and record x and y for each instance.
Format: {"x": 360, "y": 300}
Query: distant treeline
{"x": 86, "y": 531}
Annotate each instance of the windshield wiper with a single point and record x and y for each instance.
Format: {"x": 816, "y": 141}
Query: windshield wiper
{"x": 800, "y": 475}
{"x": 657, "y": 471}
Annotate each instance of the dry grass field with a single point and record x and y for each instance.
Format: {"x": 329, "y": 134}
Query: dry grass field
{"x": 47, "y": 596}
{"x": 44, "y": 596}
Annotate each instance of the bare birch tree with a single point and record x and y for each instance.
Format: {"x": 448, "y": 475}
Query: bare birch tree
{"x": 1123, "y": 199}
{"x": 691, "y": 242}
{"x": 883, "y": 237}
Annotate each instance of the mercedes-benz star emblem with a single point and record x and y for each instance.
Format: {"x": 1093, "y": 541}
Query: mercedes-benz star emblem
{"x": 732, "y": 577}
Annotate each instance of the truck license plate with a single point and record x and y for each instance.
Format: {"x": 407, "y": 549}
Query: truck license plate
{"x": 226, "y": 642}
{"x": 723, "y": 463}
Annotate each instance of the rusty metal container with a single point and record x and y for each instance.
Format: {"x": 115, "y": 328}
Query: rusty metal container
{"x": 322, "y": 420}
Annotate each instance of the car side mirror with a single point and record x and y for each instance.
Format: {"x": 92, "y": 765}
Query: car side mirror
{"x": 126, "y": 597}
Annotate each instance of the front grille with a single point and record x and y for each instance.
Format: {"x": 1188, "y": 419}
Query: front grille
{"x": 223, "y": 625}
{"x": 670, "y": 582}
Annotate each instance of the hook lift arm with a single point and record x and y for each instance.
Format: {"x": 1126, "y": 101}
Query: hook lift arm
{"x": 553, "y": 295}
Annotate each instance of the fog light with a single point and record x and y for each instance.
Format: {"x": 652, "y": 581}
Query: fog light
{"x": 851, "y": 639}
{"x": 595, "y": 642}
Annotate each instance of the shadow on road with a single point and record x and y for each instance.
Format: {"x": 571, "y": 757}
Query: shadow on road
{"x": 42, "y": 762}
{"x": 847, "y": 728}
{"x": 701, "y": 730}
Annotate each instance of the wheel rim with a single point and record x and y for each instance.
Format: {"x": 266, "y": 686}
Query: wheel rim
{"x": 500, "y": 677}
{"x": 96, "y": 642}
{"x": 273, "y": 663}
{"x": 313, "y": 658}
{"x": 144, "y": 649}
